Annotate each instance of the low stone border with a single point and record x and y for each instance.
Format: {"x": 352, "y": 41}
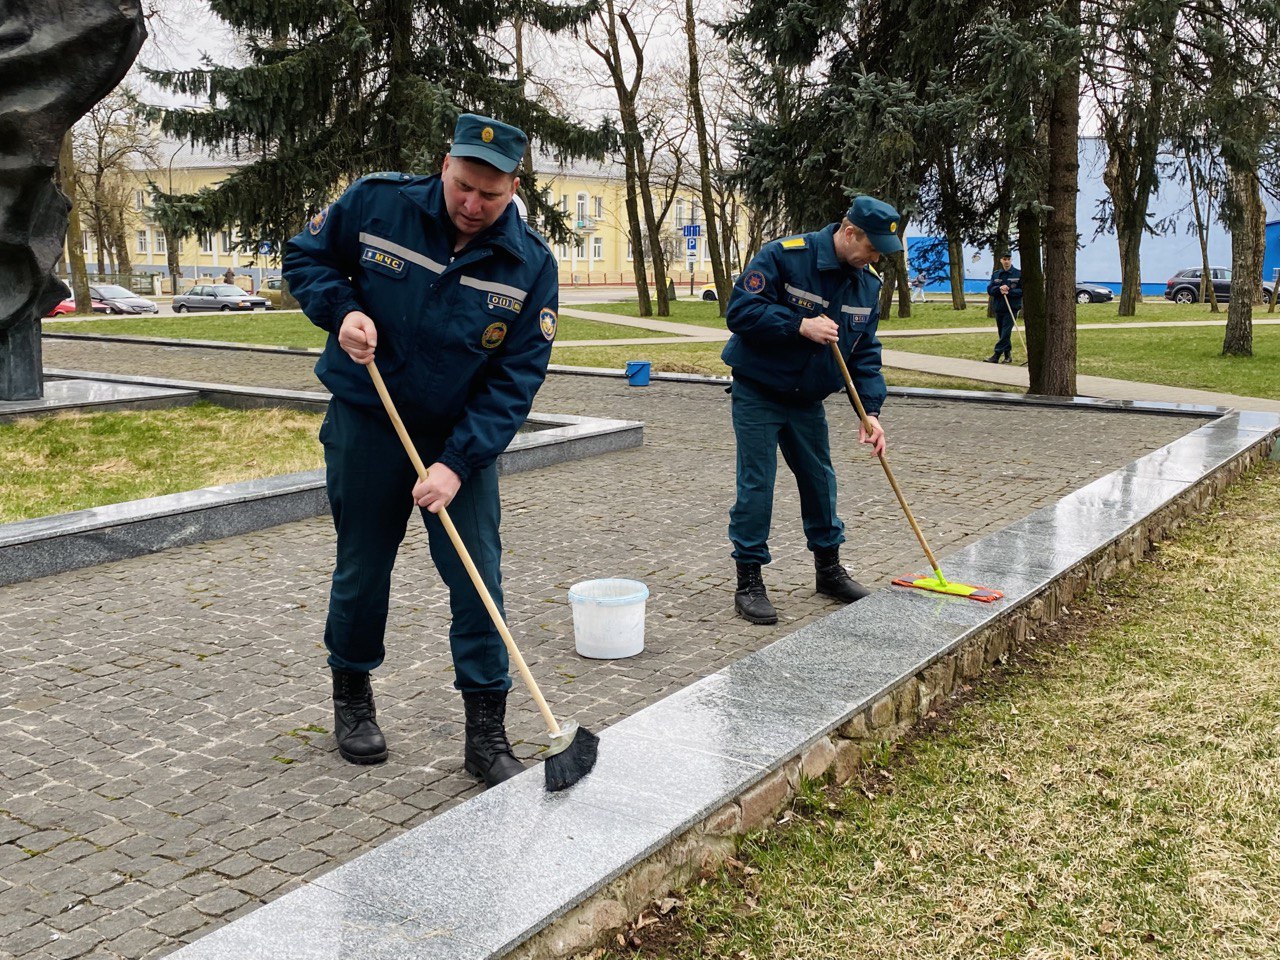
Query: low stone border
{"x": 47, "y": 545}
{"x": 520, "y": 872}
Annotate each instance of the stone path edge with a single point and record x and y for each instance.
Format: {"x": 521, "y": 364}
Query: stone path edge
{"x": 522, "y": 873}
{"x": 44, "y": 546}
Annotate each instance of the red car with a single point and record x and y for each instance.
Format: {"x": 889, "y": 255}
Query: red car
{"x": 69, "y": 306}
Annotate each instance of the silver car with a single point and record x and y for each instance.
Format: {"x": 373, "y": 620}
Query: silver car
{"x": 205, "y": 297}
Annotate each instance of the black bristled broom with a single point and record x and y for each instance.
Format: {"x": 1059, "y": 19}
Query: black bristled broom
{"x": 573, "y": 749}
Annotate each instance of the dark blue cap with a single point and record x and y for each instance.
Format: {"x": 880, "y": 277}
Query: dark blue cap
{"x": 483, "y": 138}
{"x": 878, "y": 221}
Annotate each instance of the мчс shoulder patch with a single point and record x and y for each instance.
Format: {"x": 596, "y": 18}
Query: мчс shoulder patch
{"x": 316, "y": 223}
{"x": 753, "y": 281}
{"x": 547, "y": 321}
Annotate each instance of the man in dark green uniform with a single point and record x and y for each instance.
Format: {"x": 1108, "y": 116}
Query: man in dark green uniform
{"x": 457, "y": 297}
{"x": 798, "y": 296}
{"x": 1005, "y": 290}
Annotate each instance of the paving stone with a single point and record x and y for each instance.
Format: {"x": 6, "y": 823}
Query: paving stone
{"x": 167, "y": 684}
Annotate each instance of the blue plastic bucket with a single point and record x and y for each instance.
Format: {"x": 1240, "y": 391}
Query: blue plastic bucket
{"x": 638, "y": 373}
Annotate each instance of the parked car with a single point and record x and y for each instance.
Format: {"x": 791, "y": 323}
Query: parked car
{"x": 709, "y": 290}
{"x": 1093, "y": 293}
{"x": 68, "y": 304}
{"x": 273, "y": 290}
{"x": 119, "y": 300}
{"x": 1184, "y": 286}
{"x": 217, "y": 296}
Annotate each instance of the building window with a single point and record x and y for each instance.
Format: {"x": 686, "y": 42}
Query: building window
{"x": 597, "y": 248}
{"x": 629, "y": 253}
{"x": 142, "y": 241}
{"x": 182, "y": 245}
{"x": 679, "y": 211}
{"x": 162, "y": 243}
{"x": 206, "y": 243}
{"x": 84, "y": 240}
{"x": 582, "y": 209}
{"x": 226, "y": 241}
{"x": 564, "y": 203}
{"x": 693, "y": 217}
{"x": 580, "y": 250}
{"x": 562, "y": 251}
{"x": 139, "y": 200}
{"x": 598, "y": 207}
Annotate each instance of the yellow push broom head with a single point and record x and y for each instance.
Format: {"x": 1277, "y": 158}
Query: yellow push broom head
{"x": 940, "y": 584}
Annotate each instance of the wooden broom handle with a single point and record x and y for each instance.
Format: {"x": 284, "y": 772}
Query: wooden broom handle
{"x": 884, "y": 462}
{"x": 463, "y": 553}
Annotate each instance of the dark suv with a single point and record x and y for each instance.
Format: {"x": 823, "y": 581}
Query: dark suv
{"x": 1184, "y": 286}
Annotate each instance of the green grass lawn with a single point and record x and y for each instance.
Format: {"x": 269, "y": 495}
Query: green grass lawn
{"x": 289, "y": 329}
{"x": 73, "y": 461}
{"x": 704, "y": 358}
{"x": 937, "y": 313}
{"x": 1112, "y": 795}
{"x": 1182, "y": 357}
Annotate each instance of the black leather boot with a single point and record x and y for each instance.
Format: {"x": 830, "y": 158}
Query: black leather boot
{"x": 751, "y": 601}
{"x": 994, "y": 358}
{"x": 488, "y": 754}
{"x": 1008, "y": 356}
{"x": 833, "y": 579}
{"x": 355, "y": 719}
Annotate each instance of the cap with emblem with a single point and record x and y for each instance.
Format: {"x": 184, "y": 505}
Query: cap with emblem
{"x": 483, "y": 138}
{"x": 878, "y": 221}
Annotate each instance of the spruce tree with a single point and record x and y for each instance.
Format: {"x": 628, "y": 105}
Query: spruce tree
{"x": 335, "y": 89}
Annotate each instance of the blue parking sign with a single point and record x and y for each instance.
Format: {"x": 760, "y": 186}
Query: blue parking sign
{"x": 691, "y": 244}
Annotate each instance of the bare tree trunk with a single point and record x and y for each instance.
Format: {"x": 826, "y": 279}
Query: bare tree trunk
{"x": 1056, "y": 376}
{"x": 1033, "y": 301}
{"x": 955, "y": 263}
{"x": 637, "y": 237}
{"x": 121, "y": 244}
{"x": 1206, "y": 286}
{"x": 1242, "y": 217}
{"x": 75, "y": 243}
{"x": 1130, "y": 270}
{"x": 704, "y": 161}
{"x": 171, "y": 254}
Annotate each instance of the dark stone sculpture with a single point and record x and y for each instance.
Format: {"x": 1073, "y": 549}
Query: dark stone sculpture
{"x": 56, "y": 61}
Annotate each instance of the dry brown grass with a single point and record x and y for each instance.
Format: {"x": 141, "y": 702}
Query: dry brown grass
{"x": 1113, "y": 795}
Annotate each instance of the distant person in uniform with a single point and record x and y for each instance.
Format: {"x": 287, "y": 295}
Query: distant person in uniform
{"x": 797, "y": 297}
{"x": 229, "y": 276}
{"x": 441, "y": 280}
{"x": 1005, "y": 290}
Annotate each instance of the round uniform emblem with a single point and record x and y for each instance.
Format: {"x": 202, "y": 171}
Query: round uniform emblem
{"x": 487, "y": 134}
{"x": 547, "y": 321}
{"x": 316, "y": 222}
{"x": 493, "y": 335}
{"x": 753, "y": 282}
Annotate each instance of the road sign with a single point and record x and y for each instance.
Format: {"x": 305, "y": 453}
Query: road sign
{"x": 691, "y": 245}
{"x": 691, "y": 230}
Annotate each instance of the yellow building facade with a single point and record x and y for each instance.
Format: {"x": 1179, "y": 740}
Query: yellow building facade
{"x": 593, "y": 195}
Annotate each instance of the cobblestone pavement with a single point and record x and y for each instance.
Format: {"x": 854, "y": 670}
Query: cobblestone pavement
{"x": 166, "y": 761}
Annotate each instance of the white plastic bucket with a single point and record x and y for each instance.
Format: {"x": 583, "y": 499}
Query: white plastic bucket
{"x": 608, "y": 618}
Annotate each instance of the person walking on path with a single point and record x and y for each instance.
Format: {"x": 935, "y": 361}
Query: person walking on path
{"x": 229, "y": 276}
{"x": 917, "y": 287}
{"x": 798, "y": 296}
{"x": 1005, "y": 290}
{"x": 457, "y": 297}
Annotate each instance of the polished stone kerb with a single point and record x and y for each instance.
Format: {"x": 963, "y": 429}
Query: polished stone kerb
{"x": 517, "y": 871}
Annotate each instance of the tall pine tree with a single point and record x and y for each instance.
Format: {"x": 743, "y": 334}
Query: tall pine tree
{"x": 335, "y": 89}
